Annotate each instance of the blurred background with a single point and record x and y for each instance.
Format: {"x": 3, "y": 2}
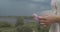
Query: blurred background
{"x": 16, "y": 15}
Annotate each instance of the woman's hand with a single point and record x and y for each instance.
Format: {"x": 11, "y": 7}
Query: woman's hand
{"x": 47, "y": 20}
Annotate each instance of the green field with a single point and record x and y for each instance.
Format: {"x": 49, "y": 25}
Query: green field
{"x": 8, "y": 29}
{"x": 20, "y": 25}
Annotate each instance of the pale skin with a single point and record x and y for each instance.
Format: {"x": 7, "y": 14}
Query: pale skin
{"x": 45, "y": 21}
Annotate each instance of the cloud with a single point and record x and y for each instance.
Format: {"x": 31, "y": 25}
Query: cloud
{"x": 32, "y": 5}
{"x": 38, "y": 0}
{"x": 22, "y": 7}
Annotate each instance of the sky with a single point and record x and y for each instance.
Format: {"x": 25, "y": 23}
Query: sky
{"x": 23, "y": 7}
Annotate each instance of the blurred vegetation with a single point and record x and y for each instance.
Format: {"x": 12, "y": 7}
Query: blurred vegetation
{"x": 33, "y": 25}
{"x": 20, "y": 21}
{"x": 5, "y": 24}
{"x": 20, "y": 26}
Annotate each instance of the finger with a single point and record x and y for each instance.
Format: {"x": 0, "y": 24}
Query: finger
{"x": 42, "y": 21}
{"x": 41, "y": 18}
{"x": 45, "y": 15}
{"x": 43, "y": 25}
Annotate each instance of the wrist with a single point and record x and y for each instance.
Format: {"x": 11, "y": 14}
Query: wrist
{"x": 57, "y": 19}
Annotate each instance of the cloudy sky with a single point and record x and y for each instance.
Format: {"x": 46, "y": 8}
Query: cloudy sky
{"x": 23, "y": 7}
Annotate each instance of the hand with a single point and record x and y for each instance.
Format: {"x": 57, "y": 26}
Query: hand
{"x": 47, "y": 20}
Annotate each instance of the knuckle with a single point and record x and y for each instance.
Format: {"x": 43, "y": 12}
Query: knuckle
{"x": 42, "y": 21}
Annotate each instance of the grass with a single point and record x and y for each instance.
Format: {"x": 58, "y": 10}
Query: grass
{"x": 33, "y": 25}
{"x": 13, "y": 29}
{"x": 7, "y": 29}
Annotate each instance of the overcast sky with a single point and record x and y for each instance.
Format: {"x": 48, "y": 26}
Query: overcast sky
{"x": 22, "y": 7}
